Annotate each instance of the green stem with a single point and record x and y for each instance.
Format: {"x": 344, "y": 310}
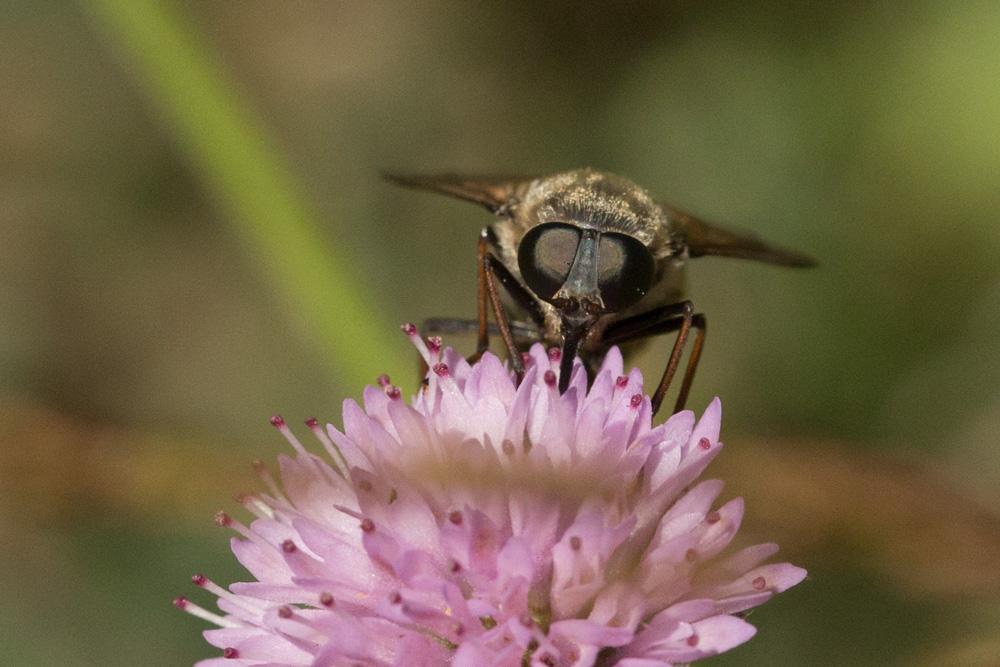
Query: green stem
{"x": 223, "y": 141}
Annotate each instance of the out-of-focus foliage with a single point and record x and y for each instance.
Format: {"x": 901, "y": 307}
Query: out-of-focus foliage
{"x": 143, "y": 342}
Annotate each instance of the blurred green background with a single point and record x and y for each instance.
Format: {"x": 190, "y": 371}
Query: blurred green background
{"x": 194, "y": 235}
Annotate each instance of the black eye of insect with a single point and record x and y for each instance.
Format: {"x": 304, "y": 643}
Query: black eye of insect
{"x": 625, "y": 270}
{"x": 546, "y": 255}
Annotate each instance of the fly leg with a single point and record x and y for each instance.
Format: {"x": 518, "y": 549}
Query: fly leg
{"x": 679, "y": 317}
{"x": 491, "y": 274}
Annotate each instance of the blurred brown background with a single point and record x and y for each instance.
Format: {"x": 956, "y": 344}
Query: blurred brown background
{"x": 143, "y": 342}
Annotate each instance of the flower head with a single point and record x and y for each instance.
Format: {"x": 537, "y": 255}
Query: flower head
{"x": 491, "y": 523}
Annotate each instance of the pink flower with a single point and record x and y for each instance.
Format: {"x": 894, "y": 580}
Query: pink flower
{"x": 491, "y": 524}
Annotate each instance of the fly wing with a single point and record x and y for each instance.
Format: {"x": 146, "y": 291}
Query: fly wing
{"x": 703, "y": 238}
{"x": 494, "y": 193}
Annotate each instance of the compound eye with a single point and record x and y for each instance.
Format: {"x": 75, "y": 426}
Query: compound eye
{"x": 625, "y": 270}
{"x": 546, "y": 255}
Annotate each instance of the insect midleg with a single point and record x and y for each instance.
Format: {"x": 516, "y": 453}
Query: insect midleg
{"x": 700, "y": 325}
{"x": 678, "y": 317}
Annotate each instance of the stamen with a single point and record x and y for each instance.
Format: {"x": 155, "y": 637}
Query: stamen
{"x": 418, "y": 342}
{"x": 447, "y": 383}
{"x": 434, "y": 344}
{"x": 223, "y": 520}
{"x": 575, "y": 543}
{"x": 289, "y": 547}
{"x": 333, "y": 451}
{"x": 336, "y": 456}
{"x": 383, "y": 380}
{"x": 555, "y": 355}
{"x": 621, "y": 381}
{"x": 455, "y": 516}
{"x": 636, "y": 400}
{"x": 367, "y": 525}
{"x": 526, "y": 359}
{"x": 508, "y": 448}
{"x": 759, "y": 583}
{"x": 455, "y": 567}
{"x": 326, "y": 599}
{"x": 705, "y": 443}
{"x": 550, "y": 377}
{"x": 255, "y": 506}
{"x": 230, "y": 653}
{"x": 392, "y": 391}
{"x": 395, "y": 597}
{"x": 218, "y": 591}
{"x": 279, "y": 423}
{"x": 284, "y": 611}
{"x": 264, "y": 474}
{"x": 186, "y": 605}
{"x": 692, "y": 640}
{"x": 713, "y": 517}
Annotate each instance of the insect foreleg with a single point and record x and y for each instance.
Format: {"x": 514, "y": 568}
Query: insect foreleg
{"x": 491, "y": 271}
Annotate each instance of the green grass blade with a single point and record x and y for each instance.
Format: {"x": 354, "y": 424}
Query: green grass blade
{"x": 224, "y": 142}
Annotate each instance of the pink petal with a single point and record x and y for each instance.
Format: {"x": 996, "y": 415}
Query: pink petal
{"x": 740, "y": 562}
{"x": 589, "y": 441}
{"x": 588, "y": 633}
{"x": 263, "y": 565}
{"x": 708, "y": 426}
{"x": 682, "y": 634}
{"x": 718, "y": 634}
{"x": 603, "y": 389}
{"x": 612, "y": 363}
{"x": 719, "y": 534}
{"x": 666, "y": 456}
{"x": 354, "y": 455}
{"x": 223, "y": 637}
{"x": 489, "y": 378}
{"x": 515, "y": 560}
{"x": 272, "y": 648}
{"x": 520, "y": 408}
